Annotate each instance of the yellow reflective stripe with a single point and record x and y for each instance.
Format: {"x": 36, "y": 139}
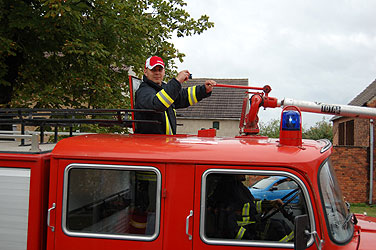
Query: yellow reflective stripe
{"x": 240, "y": 233}
{"x": 146, "y": 176}
{"x": 245, "y": 216}
{"x": 138, "y": 224}
{"x": 165, "y": 98}
{"x": 245, "y": 211}
{"x": 168, "y": 127}
{"x": 287, "y": 238}
{"x": 258, "y": 206}
{"x": 245, "y": 222}
{"x": 192, "y": 95}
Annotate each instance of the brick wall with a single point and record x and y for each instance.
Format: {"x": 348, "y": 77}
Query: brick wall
{"x": 351, "y": 165}
{"x": 361, "y": 131}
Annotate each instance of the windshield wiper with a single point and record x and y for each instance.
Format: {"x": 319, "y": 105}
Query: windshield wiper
{"x": 348, "y": 218}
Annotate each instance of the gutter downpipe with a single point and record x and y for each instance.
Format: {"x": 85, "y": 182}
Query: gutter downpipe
{"x": 371, "y": 146}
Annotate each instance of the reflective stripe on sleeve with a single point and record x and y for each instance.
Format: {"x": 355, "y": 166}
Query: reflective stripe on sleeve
{"x": 192, "y": 95}
{"x": 240, "y": 233}
{"x": 258, "y": 206}
{"x": 287, "y": 238}
{"x": 165, "y": 98}
{"x": 168, "y": 126}
{"x": 245, "y": 216}
{"x": 245, "y": 211}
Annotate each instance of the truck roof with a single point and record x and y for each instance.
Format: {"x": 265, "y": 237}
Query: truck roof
{"x": 242, "y": 150}
{"x": 12, "y": 146}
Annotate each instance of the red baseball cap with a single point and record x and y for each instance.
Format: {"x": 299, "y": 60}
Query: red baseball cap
{"x": 153, "y": 61}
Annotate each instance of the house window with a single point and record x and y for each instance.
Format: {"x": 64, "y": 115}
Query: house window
{"x": 350, "y": 132}
{"x": 346, "y": 133}
{"x": 216, "y": 125}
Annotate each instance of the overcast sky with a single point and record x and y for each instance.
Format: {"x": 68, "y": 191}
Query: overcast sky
{"x": 322, "y": 50}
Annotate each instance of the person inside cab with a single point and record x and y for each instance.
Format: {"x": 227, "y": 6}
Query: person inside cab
{"x": 154, "y": 94}
{"x": 236, "y": 214}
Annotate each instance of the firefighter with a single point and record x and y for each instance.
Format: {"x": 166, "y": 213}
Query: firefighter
{"x": 165, "y": 98}
{"x": 238, "y": 213}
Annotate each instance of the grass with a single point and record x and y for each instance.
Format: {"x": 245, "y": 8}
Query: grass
{"x": 360, "y": 208}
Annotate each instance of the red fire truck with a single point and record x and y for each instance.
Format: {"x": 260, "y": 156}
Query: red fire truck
{"x": 133, "y": 191}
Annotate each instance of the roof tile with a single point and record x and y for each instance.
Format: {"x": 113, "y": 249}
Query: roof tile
{"x": 365, "y": 96}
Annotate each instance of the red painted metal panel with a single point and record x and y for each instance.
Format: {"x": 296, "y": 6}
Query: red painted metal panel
{"x": 58, "y": 240}
{"x": 179, "y": 203}
{"x": 188, "y": 149}
{"x": 39, "y": 171}
{"x": 364, "y": 235}
{"x": 53, "y": 184}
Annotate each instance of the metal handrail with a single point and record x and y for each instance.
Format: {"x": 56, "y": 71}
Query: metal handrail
{"x": 33, "y": 138}
{"x": 68, "y": 117}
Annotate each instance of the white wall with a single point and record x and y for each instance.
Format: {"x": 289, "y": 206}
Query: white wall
{"x": 227, "y": 128}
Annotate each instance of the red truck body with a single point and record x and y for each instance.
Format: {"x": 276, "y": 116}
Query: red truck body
{"x": 182, "y": 164}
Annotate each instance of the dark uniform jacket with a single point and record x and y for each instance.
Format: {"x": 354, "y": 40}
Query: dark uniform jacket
{"x": 165, "y": 99}
{"x": 228, "y": 200}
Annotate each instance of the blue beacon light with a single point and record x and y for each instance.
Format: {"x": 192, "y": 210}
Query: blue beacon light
{"x": 291, "y": 120}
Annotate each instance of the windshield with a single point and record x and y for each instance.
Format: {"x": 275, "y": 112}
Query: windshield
{"x": 264, "y": 183}
{"x": 337, "y": 214}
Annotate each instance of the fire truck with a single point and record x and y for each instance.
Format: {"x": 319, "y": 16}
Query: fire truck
{"x": 135, "y": 191}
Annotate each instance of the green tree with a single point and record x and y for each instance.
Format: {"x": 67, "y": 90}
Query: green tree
{"x": 76, "y": 53}
{"x": 322, "y": 130}
{"x": 270, "y": 129}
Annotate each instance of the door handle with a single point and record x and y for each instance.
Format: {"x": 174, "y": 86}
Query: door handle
{"x": 49, "y": 216}
{"x": 187, "y": 225}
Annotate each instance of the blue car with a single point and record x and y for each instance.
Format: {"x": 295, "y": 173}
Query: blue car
{"x": 274, "y": 187}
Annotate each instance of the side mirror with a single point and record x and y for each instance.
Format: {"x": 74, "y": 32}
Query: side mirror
{"x": 301, "y": 238}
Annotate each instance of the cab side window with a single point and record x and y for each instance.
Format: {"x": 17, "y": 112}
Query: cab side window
{"x": 116, "y": 201}
{"x": 245, "y": 207}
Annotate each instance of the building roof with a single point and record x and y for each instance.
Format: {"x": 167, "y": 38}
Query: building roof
{"x": 224, "y": 103}
{"x": 363, "y": 98}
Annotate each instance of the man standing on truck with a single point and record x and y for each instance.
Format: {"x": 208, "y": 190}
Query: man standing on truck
{"x": 154, "y": 94}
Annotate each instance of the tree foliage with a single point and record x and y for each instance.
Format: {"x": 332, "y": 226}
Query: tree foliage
{"x": 270, "y": 129}
{"x": 321, "y": 130}
{"x": 77, "y": 53}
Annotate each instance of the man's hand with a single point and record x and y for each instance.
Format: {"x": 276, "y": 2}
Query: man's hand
{"x": 183, "y": 76}
{"x": 209, "y": 85}
{"x": 276, "y": 203}
{"x": 268, "y": 205}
